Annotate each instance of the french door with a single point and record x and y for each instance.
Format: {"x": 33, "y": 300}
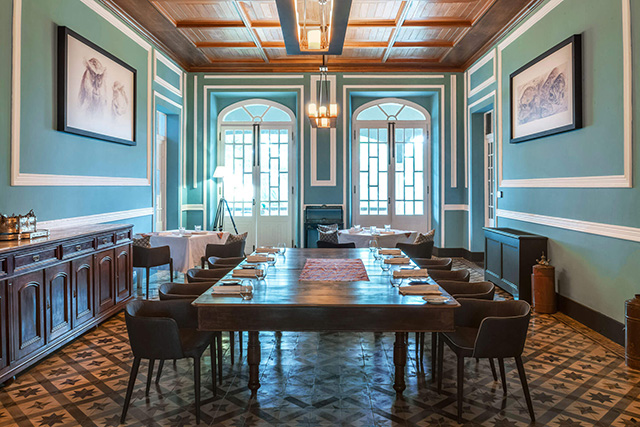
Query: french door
{"x": 160, "y": 171}
{"x": 390, "y": 175}
{"x": 259, "y": 185}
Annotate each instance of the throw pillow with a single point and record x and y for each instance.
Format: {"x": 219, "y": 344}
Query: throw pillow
{"x": 142, "y": 240}
{"x": 423, "y": 238}
{"x": 329, "y": 236}
{"x": 328, "y": 228}
{"x": 237, "y": 237}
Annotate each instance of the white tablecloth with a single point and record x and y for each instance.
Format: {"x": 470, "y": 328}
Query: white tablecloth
{"x": 186, "y": 250}
{"x": 362, "y": 238}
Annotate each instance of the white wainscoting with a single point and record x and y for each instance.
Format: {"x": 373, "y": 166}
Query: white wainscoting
{"x": 95, "y": 219}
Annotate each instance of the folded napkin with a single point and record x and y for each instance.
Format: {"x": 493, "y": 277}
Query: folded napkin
{"x": 355, "y": 230}
{"x": 267, "y": 250}
{"x": 246, "y": 273}
{"x": 259, "y": 258}
{"x": 390, "y": 252}
{"x": 226, "y": 290}
{"x": 400, "y": 260}
{"x": 387, "y": 233}
{"x": 421, "y": 273}
{"x": 420, "y": 290}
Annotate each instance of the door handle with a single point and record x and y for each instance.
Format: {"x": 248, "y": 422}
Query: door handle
{"x": 78, "y": 248}
{"x": 36, "y": 258}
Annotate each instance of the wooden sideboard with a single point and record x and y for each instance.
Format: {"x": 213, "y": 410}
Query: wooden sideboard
{"x": 509, "y": 256}
{"x": 54, "y": 289}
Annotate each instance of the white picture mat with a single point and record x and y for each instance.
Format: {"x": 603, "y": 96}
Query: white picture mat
{"x": 104, "y": 122}
{"x": 544, "y": 67}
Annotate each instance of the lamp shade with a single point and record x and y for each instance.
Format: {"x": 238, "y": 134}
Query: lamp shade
{"x": 220, "y": 172}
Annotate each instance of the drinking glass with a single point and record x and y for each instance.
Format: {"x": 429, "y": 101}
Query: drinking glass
{"x": 283, "y": 248}
{"x": 385, "y": 267}
{"x": 198, "y": 227}
{"x": 272, "y": 260}
{"x": 373, "y": 245}
{"x": 261, "y": 272}
{"x": 181, "y": 230}
{"x": 395, "y": 281}
{"x": 387, "y": 227}
{"x": 246, "y": 291}
{"x": 373, "y": 229}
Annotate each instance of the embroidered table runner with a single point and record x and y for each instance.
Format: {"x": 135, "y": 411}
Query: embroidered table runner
{"x": 334, "y": 270}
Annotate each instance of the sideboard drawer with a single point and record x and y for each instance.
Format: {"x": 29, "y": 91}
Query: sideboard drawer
{"x": 122, "y": 236}
{"x": 4, "y": 267}
{"x": 78, "y": 247}
{"x": 35, "y": 259}
{"x": 104, "y": 241}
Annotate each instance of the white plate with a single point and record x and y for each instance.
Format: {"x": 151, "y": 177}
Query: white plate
{"x": 230, "y": 282}
{"x": 435, "y": 299}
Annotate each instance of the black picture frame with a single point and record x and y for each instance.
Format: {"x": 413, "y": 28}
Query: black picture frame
{"x": 63, "y": 113}
{"x": 575, "y": 97}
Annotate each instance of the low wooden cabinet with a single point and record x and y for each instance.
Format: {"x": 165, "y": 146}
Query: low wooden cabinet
{"x": 54, "y": 289}
{"x": 509, "y": 256}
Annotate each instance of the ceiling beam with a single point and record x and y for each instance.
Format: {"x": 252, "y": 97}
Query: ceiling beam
{"x": 207, "y": 23}
{"x": 426, "y": 43}
{"x": 348, "y": 44}
{"x": 247, "y": 22}
{"x": 402, "y": 15}
{"x": 391, "y": 23}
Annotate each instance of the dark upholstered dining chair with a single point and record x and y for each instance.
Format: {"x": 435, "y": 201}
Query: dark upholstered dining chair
{"x": 191, "y": 291}
{"x": 230, "y": 262}
{"x": 457, "y": 275}
{"x": 434, "y": 264}
{"x": 330, "y": 245}
{"x": 488, "y": 329}
{"x": 152, "y": 257}
{"x": 162, "y": 330}
{"x": 212, "y": 275}
{"x": 228, "y": 250}
{"x": 475, "y": 290}
{"x": 416, "y": 250}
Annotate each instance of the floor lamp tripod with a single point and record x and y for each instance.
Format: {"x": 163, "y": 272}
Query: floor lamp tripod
{"x": 218, "y": 222}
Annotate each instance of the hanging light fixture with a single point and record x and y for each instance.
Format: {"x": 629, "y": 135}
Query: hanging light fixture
{"x": 323, "y": 114}
{"x": 314, "y": 28}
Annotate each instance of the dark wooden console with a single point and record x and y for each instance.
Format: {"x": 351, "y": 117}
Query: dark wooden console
{"x": 509, "y": 256}
{"x": 54, "y": 289}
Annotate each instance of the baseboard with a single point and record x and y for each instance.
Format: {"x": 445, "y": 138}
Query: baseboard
{"x": 600, "y": 323}
{"x": 459, "y": 253}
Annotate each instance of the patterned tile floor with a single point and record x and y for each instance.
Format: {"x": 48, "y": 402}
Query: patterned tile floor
{"x": 317, "y": 379}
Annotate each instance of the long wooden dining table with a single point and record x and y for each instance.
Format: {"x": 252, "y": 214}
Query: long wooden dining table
{"x": 281, "y": 302}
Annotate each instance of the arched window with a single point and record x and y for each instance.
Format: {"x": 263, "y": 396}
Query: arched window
{"x": 256, "y": 149}
{"x": 390, "y": 164}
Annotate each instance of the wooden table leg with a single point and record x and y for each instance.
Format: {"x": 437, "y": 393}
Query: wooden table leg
{"x": 400, "y": 360}
{"x": 253, "y": 359}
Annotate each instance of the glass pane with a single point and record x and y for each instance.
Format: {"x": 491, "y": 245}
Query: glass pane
{"x": 274, "y": 161}
{"x": 238, "y": 157}
{"x": 237, "y": 115}
{"x": 372, "y": 171}
{"x": 410, "y": 172}
{"x": 410, "y": 113}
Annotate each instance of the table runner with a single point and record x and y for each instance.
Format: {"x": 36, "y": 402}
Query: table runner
{"x": 334, "y": 270}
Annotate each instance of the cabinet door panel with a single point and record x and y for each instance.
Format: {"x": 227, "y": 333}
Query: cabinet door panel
{"x": 82, "y": 270}
{"x": 105, "y": 281}
{"x": 123, "y": 273}
{"x": 58, "y": 301}
{"x": 4, "y": 327}
{"x": 28, "y": 302}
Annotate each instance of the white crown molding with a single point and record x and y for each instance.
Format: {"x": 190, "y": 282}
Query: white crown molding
{"x": 34, "y": 179}
{"x": 491, "y": 56}
{"x": 607, "y": 230}
{"x": 95, "y": 219}
{"x": 256, "y": 77}
{"x": 193, "y": 207}
{"x": 460, "y": 207}
{"x": 454, "y": 131}
{"x": 609, "y": 181}
{"x": 158, "y": 56}
{"x": 393, "y": 76}
{"x": 333, "y": 141}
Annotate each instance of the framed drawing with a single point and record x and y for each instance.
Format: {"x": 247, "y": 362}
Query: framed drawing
{"x": 546, "y": 93}
{"x": 96, "y": 91}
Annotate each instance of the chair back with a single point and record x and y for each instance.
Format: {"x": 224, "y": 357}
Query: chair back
{"x": 475, "y": 290}
{"x": 228, "y": 250}
{"x": 153, "y": 330}
{"x": 419, "y": 250}
{"x": 457, "y": 275}
{"x": 434, "y": 264}
{"x": 169, "y": 291}
{"x": 330, "y": 245}
{"x": 217, "y": 262}
{"x": 150, "y": 257}
{"x": 502, "y": 326}
{"x": 211, "y": 275}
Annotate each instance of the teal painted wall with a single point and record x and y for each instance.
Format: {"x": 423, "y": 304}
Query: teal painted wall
{"x": 596, "y": 271}
{"x": 43, "y": 149}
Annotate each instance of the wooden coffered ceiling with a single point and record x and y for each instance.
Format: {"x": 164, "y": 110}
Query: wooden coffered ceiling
{"x": 396, "y": 35}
